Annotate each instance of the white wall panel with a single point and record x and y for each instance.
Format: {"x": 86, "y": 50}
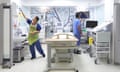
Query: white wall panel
{"x": 6, "y": 33}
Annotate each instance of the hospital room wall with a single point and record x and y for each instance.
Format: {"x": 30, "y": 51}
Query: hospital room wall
{"x": 22, "y": 21}
{"x": 108, "y": 9}
{"x": 116, "y": 1}
{"x": 103, "y": 11}
{"x": 19, "y": 23}
{"x": 97, "y": 13}
{"x": 5, "y": 1}
{"x": 69, "y": 3}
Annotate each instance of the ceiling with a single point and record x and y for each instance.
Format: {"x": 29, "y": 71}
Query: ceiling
{"x": 59, "y": 0}
{"x": 53, "y": 2}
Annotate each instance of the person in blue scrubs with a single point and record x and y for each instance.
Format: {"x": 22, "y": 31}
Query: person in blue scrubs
{"x": 77, "y": 28}
{"x": 33, "y": 36}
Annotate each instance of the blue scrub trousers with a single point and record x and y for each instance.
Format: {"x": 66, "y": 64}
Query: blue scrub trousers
{"x": 39, "y": 48}
{"x": 78, "y": 37}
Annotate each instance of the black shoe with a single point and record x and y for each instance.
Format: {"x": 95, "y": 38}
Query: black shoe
{"x": 77, "y": 52}
{"x": 43, "y": 55}
{"x": 32, "y": 58}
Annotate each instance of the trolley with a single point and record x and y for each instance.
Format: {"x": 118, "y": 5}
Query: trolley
{"x": 102, "y": 45}
{"x": 62, "y": 44}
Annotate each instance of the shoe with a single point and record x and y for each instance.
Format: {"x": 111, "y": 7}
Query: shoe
{"x": 43, "y": 55}
{"x": 77, "y": 52}
{"x": 32, "y": 58}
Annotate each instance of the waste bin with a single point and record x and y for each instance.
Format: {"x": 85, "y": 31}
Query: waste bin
{"x": 18, "y": 54}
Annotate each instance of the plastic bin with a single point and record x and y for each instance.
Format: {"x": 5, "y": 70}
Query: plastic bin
{"x": 18, "y": 54}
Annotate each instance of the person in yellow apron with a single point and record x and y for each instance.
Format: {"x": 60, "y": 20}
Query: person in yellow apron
{"x": 33, "y": 36}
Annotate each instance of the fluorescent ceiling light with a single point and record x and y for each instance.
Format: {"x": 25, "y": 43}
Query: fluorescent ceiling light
{"x": 81, "y": 8}
{"x": 44, "y": 9}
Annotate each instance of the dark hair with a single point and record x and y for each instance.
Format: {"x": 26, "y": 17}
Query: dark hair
{"x": 37, "y": 18}
{"x": 77, "y": 15}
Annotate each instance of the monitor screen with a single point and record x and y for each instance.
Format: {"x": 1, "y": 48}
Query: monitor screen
{"x": 84, "y": 14}
{"x": 91, "y": 24}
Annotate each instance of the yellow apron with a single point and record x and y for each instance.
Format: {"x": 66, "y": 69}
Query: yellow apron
{"x": 32, "y": 38}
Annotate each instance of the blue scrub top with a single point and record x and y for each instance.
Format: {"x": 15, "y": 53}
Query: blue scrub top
{"x": 38, "y": 27}
{"x": 76, "y": 23}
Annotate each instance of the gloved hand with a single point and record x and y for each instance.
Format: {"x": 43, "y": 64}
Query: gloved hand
{"x": 32, "y": 33}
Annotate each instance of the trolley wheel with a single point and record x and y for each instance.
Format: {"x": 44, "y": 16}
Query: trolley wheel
{"x": 96, "y": 62}
{"x": 77, "y": 71}
{"x": 91, "y": 55}
{"x": 69, "y": 61}
{"x": 53, "y": 60}
{"x": 108, "y": 61}
{"x": 9, "y": 67}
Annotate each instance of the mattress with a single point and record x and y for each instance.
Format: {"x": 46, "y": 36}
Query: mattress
{"x": 62, "y": 39}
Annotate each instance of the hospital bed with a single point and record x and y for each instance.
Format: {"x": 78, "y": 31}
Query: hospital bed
{"x": 60, "y": 55}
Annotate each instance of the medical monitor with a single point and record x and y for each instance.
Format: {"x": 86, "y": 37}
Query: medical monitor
{"x": 91, "y": 24}
{"x": 84, "y": 14}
